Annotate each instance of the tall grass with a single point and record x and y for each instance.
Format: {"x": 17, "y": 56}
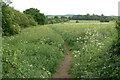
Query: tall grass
{"x": 91, "y": 46}
{"x": 35, "y": 53}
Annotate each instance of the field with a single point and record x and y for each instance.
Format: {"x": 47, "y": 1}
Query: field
{"x": 85, "y": 21}
{"x": 38, "y": 50}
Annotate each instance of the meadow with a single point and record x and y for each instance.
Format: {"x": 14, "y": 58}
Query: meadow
{"x": 33, "y": 53}
{"x": 85, "y": 21}
{"x": 38, "y": 50}
{"x": 91, "y": 45}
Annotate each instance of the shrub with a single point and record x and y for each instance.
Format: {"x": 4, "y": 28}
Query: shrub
{"x": 77, "y": 21}
{"x": 31, "y": 20}
{"x": 41, "y": 18}
{"x": 52, "y": 20}
{"x": 56, "y": 17}
{"x": 9, "y": 26}
{"x": 118, "y": 29}
{"x": 35, "y": 13}
{"x": 12, "y": 29}
{"x": 104, "y": 19}
{"x": 13, "y": 20}
{"x": 24, "y": 20}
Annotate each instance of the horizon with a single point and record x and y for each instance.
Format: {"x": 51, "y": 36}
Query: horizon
{"x": 79, "y": 14}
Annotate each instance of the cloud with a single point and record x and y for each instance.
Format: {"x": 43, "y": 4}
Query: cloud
{"x": 57, "y": 7}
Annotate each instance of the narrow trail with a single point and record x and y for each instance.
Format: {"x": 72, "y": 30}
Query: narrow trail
{"x": 62, "y": 69}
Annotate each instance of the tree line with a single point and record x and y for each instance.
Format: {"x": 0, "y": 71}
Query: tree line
{"x": 56, "y": 19}
{"x": 13, "y": 20}
{"x": 102, "y": 18}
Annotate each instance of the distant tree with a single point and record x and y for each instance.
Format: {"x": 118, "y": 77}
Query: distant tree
{"x": 104, "y": 19}
{"x": 63, "y": 17}
{"x": 35, "y": 13}
{"x": 90, "y": 17}
{"x": 6, "y": 2}
{"x": 102, "y": 15}
{"x": 77, "y": 21}
{"x": 69, "y": 18}
{"x": 46, "y": 16}
{"x": 56, "y": 17}
{"x": 87, "y": 17}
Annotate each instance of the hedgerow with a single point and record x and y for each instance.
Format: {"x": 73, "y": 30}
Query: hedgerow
{"x": 13, "y": 21}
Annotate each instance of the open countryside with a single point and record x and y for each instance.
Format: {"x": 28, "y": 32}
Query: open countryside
{"x": 77, "y": 46}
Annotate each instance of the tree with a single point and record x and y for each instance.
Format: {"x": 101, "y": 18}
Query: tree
{"x": 13, "y": 21}
{"x": 56, "y": 17}
{"x": 77, "y": 21}
{"x": 35, "y": 13}
{"x": 69, "y": 18}
{"x": 9, "y": 27}
{"x": 7, "y": 2}
{"x": 63, "y": 17}
{"x": 91, "y": 17}
{"x": 102, "y": 15}
{"x": 104, "y": 19}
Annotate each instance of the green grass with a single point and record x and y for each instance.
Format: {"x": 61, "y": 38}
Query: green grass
{"x": 85, "y": 21}
{"x": 36, "y": 52}
{"x": 91, "y": 46}
{"x": 88, "y": 21}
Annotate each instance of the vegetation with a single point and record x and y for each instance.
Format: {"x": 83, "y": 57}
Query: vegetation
{"x": 104, "y": 19}
{"x": 52, "y": 16}
{"x": 85, "y": 21}
{"x": 92, "y": 49}
{"x": 9, "y": 27}
{"x": 37, "y": 50}
{"x": 0, "y": 39}
{"x": 90, "y": 45}
{"x": 63, "y": 17}
{"x": 77, "y": 21}
{"x": 13, "y": 21}
{"x": 33, "y": 56}
{"x": 118, "y": 42}
{"x": 56, "y": 20}
{"x": 35, "y": 13}
{"x": 91, "y": 17}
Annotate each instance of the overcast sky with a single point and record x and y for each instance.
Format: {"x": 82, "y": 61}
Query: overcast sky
{"x": 61, "y": 7}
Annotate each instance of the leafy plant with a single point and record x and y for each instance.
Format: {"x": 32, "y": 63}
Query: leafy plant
{"x": 13, "y": 21}
{"x": 9, "y": 26}
{"x": 35, "y": 13}
{"x": 77, "y": 21}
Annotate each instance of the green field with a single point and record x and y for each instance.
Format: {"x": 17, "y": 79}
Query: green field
{"x": 85, "y": 21}
{"x": 37, "y": 50}
{"x": 89, "y": 21}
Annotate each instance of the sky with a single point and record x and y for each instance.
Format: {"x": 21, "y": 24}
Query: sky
{"x": 62, "y": 7}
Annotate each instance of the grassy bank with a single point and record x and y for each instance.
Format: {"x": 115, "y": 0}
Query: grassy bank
{"x": 34, "y": 53}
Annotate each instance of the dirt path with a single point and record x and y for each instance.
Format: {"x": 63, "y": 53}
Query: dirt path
{"x": 62, "y": 70}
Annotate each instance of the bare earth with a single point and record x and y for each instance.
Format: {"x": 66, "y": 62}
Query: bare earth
{"x": 62, "y": 69}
